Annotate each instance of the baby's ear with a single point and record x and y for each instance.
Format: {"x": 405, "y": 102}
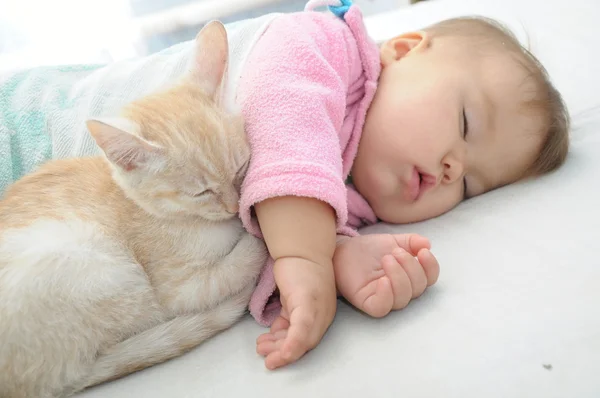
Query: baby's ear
{"x": 402, "y": 45}
{"x": 122, "y": 148}
{"x": 209, "y": 62}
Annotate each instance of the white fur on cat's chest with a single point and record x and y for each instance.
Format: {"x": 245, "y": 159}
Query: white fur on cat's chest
{"x": 60, "y": 253}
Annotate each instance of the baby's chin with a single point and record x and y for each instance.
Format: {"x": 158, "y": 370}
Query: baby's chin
{"x": 397, "y": 212}
{"x": 398, "y": 218}
{"x": 384, "y": 211}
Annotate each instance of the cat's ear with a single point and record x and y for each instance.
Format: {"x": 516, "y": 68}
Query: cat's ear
{"x": 121, "y": 147}
{"x": 210, "y": 60}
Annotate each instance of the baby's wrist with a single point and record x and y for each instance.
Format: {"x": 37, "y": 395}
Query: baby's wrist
{"x": 321, "y": 262}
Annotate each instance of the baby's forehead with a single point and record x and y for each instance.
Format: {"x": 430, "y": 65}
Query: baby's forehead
{"x": 516, "y": 120}
{"x": 476, "y": 31}
{"x": 508, "y": 82}
{"x": 518, "y": 136}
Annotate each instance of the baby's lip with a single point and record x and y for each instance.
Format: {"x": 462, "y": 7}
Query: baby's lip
{"x": 419, "y": 183}
{"x": 414, "y": 185}
{"x": 427, "y": 181}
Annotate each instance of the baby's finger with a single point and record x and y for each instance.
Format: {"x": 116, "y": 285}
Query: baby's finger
{"x": 278, "y": 335}
{"x": 400, "y": 282}
{"x": 267, "y": 347}
{"x": 378, "y": 298}
{"x": 279, "y": 324}
{"x": 414, "y": 270}
{"x": 275, "y": 360}
{"x": 412, "y": 243}
{"x": 298, "y": 340}
{"x": 430, "y": 266}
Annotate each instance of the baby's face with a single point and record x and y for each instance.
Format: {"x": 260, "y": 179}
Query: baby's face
{"x": 446, "y": 124}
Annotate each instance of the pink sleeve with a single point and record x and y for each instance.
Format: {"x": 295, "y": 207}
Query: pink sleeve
{"x": 293, "y": 98}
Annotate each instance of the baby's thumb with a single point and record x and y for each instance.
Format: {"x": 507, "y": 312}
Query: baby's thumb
{"x": 412, "y": 243}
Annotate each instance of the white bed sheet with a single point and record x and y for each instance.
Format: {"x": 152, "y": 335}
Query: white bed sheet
{"x": 516, "y": 310}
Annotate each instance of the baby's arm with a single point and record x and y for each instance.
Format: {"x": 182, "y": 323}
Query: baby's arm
{"x": 293, "y": 97}
{"x": 300, "y": 235}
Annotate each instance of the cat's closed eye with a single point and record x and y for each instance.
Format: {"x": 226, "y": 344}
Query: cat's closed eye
{"x": 201, "y": 194}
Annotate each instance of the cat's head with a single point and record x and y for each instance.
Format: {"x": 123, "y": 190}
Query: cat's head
{"x": 179, "y": 152}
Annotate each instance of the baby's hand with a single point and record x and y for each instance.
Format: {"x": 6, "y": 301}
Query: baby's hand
{"x": 379, "y": 273}
{"x": 308, "y": 298}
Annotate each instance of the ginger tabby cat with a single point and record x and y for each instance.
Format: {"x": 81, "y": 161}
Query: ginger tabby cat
{"x": 115, "y": 263}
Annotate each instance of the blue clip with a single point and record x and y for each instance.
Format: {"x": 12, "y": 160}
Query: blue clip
{"x": 341, "y": 10}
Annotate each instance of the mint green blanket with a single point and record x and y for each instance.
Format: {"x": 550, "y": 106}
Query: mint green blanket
{"x": 25, "y": 140}
{"x": 43, "y": 110}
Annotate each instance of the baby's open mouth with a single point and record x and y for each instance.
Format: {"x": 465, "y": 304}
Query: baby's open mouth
{"x": 425, "y": 182}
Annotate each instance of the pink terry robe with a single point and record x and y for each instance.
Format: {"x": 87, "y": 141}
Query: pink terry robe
{"x": 304, "y": 94}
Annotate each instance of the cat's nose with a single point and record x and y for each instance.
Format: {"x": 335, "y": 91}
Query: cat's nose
{"x": 232, "y": 207}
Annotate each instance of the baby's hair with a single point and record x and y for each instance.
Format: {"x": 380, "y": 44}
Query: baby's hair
{"x": 546, "y": 98}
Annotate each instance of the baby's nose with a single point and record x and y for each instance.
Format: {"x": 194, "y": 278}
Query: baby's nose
{"x": 453, "y": 169}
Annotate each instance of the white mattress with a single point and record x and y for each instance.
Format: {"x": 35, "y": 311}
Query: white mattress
{"x": 516, "y": 312}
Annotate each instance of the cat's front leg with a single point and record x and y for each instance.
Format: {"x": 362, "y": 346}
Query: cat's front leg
{"x": 249, "y": 255}
{"x": 185, "y": 287}
{"x": 237, "y": 269}
{"x": 244, "y": 262}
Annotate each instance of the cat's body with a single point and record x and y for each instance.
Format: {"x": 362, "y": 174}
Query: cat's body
{"x": 110, "y": 267}
{"x": 74, "y": 286}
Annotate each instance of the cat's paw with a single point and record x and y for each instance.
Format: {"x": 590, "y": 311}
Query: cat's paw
{"x": 252, "y": 250}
